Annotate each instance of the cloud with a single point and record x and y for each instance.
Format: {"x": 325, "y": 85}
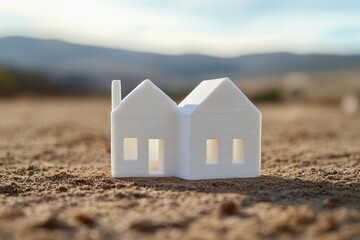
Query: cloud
{"x": 224, "y": 28}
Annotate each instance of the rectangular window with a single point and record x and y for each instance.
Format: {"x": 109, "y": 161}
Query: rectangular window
{"x": 238, "y": 151}
{"x": 130, "y": 149}
{"x": 212, "y": 151}
{"x": 156, "y": 156}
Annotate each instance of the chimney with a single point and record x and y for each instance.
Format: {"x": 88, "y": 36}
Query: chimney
{"x": 115, "y": 93}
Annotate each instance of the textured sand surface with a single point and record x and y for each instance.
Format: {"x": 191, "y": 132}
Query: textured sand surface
{"x": 55, "y": 180}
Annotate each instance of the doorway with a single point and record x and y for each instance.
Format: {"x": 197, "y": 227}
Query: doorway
{"x": 156, "y": 156}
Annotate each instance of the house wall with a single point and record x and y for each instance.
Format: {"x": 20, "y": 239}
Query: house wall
{"x": 183, "y": 146}
{"x": 226, "y": 115}
{"x": 153, "y": 118}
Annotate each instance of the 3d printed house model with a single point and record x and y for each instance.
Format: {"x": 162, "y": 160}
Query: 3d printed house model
{"x": 215, "y": 132}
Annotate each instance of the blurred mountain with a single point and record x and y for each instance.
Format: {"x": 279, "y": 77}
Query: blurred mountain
{"x": 90, "y": 67}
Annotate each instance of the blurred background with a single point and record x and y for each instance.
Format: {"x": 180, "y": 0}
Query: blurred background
{"x": 298, "y": 60}
{"x": 275, "y": 51}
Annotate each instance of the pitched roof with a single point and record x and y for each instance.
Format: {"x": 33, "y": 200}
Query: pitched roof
{"x": 144, "y": 88}
{"x": 200, "y": 94}
{"x": 202, "y": 91}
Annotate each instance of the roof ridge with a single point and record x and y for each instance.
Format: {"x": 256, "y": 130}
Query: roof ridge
{"x": 147, "y": 83}
{"x": 202, "y": 91}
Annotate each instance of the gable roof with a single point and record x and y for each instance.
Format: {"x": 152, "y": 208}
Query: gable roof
{"x": 203, "y": 91}
{"x": 144, "y": 88}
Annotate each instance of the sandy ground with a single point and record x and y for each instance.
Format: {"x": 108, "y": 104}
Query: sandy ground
{"x": 55, "y": 180}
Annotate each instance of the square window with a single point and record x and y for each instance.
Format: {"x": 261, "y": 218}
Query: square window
{"x": 238, "y": 151}
{"x": 130, "y": 149}
{"x": 212, "y": 151}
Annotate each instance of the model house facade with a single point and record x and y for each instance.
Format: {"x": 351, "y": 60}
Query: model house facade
{"x": 143, "y": 132}
{"x": 215, "y": 132}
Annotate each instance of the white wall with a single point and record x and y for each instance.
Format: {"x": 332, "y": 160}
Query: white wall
{"x": 225, "y": 115}
{"x": 183, "y": 146}
{"x": 143, "y": 115}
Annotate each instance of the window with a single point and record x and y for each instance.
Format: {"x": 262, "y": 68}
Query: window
{"x": 238, "y": 151}
{"x": 130, "y": 149}
{"x": 212, "y": 151}
{"x": 156, "y": 156}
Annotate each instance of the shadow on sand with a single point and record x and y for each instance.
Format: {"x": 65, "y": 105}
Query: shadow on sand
{"x": 273, "y": 189}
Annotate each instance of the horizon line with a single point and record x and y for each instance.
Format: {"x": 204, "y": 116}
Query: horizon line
{"x": 178, "y": 54}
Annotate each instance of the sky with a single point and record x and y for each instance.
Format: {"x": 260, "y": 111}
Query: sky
{"x": 219, "y": 28}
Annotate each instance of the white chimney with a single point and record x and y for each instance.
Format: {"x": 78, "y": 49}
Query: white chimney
{"x": 115, "y": 93}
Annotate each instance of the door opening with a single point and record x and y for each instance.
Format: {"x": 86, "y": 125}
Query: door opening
{"x": 156, "y": 156}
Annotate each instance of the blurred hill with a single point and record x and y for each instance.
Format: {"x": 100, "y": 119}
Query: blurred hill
{"x": 88, "y": 68}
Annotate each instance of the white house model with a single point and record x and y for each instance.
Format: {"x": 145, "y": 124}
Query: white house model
{"x": 215, "y": 132}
